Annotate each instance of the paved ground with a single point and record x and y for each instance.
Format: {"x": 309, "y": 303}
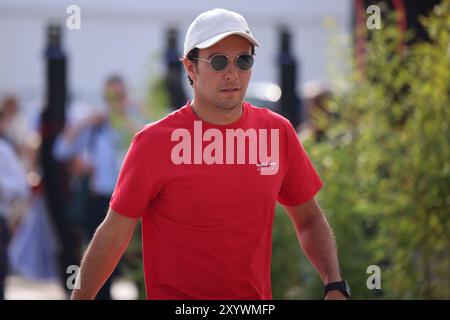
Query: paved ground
{"x": 19, "y": 288}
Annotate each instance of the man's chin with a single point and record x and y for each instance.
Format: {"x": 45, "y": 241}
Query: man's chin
{"x": 229, "y": 104}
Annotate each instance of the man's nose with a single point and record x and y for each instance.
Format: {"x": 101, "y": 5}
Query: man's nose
{"x": 231, "y": 71}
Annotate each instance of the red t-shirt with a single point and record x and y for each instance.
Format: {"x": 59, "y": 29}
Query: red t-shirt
{"x": 206, "y": 197}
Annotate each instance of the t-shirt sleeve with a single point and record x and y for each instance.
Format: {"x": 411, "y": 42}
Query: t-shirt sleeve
{"x": 139, "y": 180}
{"x": 301, "y": 181}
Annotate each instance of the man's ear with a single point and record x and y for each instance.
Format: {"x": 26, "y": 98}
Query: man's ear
{"x": 189, "y": 66}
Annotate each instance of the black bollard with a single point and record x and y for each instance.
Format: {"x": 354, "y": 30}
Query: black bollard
{"x": 54, "y": 176}
{"x": 174, "y": 76}
{"x": 290, "y": 103}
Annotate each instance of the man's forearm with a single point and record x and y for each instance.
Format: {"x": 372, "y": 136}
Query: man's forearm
{"x": 98, "y": 263}
{"x": 317, "y": 241}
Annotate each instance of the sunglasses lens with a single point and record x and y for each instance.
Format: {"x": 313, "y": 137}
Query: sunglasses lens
{"x": 244, "y": 62}
{"x": 219, "y": 62}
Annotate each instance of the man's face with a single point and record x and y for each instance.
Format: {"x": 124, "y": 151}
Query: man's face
{"x": 225, "y": 89}
{"x": 115, "y": 94}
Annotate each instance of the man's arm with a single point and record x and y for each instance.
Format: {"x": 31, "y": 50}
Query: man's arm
{"x": 317, "y": 240}
{"x": 104, "y": 252}
{"x": 75, "y": 137}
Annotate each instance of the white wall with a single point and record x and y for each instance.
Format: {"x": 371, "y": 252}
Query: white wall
{"x": 127, "y": 37}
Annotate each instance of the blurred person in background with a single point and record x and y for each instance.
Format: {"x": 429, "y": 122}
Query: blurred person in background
{"x": 19, "y": 131}
{"x": 93, "y": 146}
{"x": 32, "y": 246}
{"x": 16, "y": 130}
{"x": 13, "y": 190}
{"x": 316, "y": 111}
{"x": 125, "y": 115}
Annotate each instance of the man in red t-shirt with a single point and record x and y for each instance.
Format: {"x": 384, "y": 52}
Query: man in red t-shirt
{"x": 205, "y": 181}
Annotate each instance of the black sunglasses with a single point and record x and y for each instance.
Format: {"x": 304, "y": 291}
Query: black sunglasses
{"x": 220, "y": 61}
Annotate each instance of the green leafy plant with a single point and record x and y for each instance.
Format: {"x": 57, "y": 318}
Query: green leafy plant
{"x": 385, "y": 165}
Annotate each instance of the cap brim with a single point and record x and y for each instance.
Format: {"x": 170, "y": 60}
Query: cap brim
{"x": 212, "y": 41}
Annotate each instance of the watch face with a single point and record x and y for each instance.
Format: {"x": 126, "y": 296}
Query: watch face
{"x": 347, "y": 288}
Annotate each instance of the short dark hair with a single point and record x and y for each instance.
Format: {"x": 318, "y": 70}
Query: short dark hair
{"x": 113, "y": 79}
{"x": 193, "y": 55}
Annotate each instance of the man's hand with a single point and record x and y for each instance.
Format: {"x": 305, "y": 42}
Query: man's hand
{"x": 103, "y": 254}
{"x": 95, "y": 120}
{"x": 335, "y": 295}
{"x": 73, "y": 131}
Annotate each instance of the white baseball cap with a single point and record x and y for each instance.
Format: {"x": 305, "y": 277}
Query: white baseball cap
{"x": 212, "y": 26}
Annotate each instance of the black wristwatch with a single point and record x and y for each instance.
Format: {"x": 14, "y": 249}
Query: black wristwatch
{"x": 341, "y": 286}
